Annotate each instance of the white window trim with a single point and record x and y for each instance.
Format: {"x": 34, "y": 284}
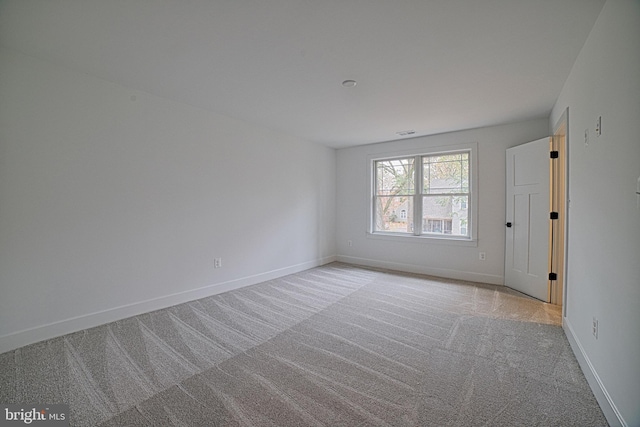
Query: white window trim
{"x": 471, "y": 240}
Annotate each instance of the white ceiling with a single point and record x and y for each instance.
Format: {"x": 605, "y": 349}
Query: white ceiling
{"x": 428, "y": 65}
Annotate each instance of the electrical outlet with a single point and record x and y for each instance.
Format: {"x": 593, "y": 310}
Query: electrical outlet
{"x": 482, "y": 256}
{"x": 594, "y": 328}
{"x": 217, "y": 263}
{"x": 599, "y": 126}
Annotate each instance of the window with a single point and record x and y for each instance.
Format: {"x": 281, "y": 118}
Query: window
{"x": 438, "y": 226}
{"x": 395, "y": 190}
{"x": 432, "y": 192}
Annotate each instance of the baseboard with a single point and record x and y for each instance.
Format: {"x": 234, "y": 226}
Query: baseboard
{"x": 611, "y": 413}
{"x": 420, "y": 269}
{"x": 30, "y": 336}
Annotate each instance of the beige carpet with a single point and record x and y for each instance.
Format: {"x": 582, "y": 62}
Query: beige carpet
{"x": 332, "y": 346}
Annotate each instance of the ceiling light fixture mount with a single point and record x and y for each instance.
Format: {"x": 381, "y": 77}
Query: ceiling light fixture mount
{"x": 405, "y": 132}
{"x": 349, "y": 83}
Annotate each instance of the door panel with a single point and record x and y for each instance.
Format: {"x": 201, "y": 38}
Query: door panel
{"x": 528, "y": 207}
{"x": 521, "y": 234}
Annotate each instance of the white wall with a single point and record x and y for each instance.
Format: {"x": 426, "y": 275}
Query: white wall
{"x": 604, "y": 216}
{"x": 115, "y": 202}
{"x": 445, "y": 260}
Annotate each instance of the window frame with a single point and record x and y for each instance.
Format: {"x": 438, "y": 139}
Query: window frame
{"x": 418, "y": 235}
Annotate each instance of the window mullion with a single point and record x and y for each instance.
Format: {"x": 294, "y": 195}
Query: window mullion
{"x": 417, "y": 197}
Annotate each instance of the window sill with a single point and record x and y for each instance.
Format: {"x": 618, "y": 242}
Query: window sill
{"x": 409, "y": 238}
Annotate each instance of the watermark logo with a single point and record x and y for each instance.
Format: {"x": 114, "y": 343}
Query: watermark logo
{"x": 34, "y": 415}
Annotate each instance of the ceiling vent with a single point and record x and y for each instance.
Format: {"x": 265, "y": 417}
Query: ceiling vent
{"x": 405, "y": 132}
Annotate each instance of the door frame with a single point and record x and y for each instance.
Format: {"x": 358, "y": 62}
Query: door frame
{"x": 560, "y": 203}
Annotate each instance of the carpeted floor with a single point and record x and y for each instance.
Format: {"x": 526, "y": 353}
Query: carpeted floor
{"x": 336, "y": 345}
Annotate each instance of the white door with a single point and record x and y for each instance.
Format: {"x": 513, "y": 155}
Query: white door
{"x": 527, "y": 219}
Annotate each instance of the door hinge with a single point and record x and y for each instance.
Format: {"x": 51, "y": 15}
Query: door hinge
{"x": 553, "y": 215}
{"x": 554, "y": 154}
{"x": 553, "y": 276}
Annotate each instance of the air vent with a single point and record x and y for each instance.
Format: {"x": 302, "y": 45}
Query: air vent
{"x": 405, "y": 132}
